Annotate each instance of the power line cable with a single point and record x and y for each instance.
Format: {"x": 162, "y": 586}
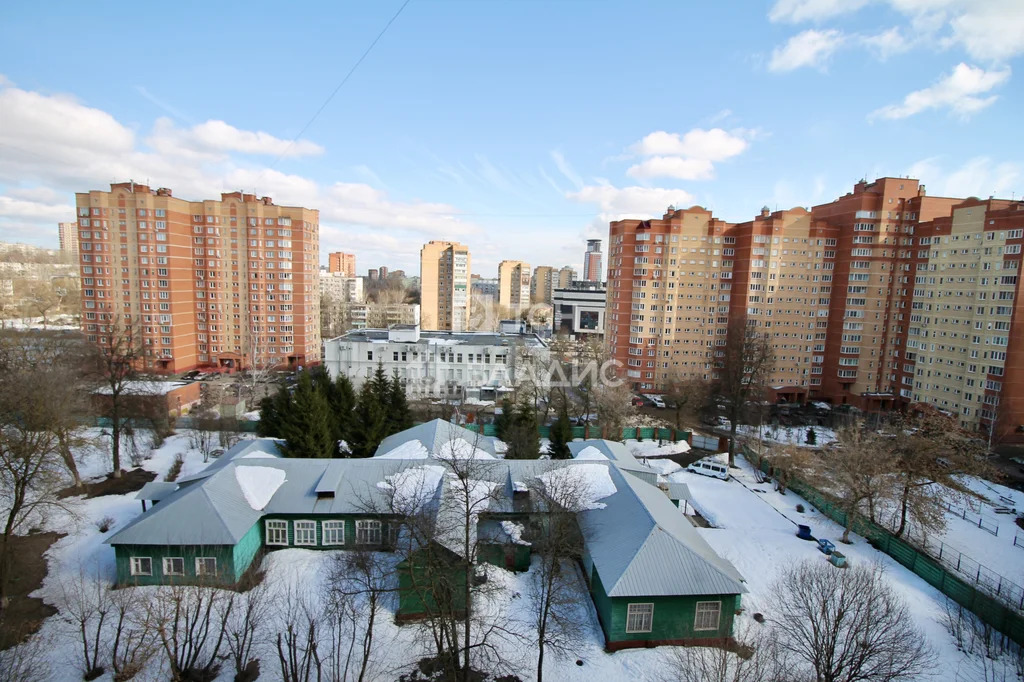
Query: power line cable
{"x": 342, "y": 83}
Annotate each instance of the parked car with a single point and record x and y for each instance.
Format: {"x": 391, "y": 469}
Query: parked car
{"x": 637, "y": 401}
{"x": 657, "y": 401}
{"x": 191, "y": 375}
{"x": 709, "y": 466}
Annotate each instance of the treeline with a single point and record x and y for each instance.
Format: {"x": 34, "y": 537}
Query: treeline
{"x": 325, "y": 418}
{"x": 517, "y": 427}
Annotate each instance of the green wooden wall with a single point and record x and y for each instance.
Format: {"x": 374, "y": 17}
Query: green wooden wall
{"x": 673, "y": 616}
{"x": 226, "y": 574}
{"x": 247, "y": 549}
{"x": 350, "y": 530}
{"x": 416, "y": 582}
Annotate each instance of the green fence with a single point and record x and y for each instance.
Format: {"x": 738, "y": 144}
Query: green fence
{"x": 595, "y": 431}
{"x": 996, "y": 601}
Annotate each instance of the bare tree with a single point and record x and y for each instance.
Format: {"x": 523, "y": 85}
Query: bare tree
{"x": 686, "y": 392}
{"x": 742, "y": 368}
{"x": 28, "y": 661}
{"x": 133, "y": 642}
{"x": 555, "y": 586}
{"x": 116, "y": 362}
{"x": 788, "y": 462}
{"x": 252, "y": 609}
{"x": 756, "y": 658}
{"x": 614, "y": 408}
{"x": 359, "y": 583}
{"x": 85, "y": 604}
{"x": 847, "y": 625}
{"x": 992, "y": 654}
{"x": 259, "y": 363}
{"x": 190, "y": 622}
{"x": 298, "y": 644}
{"x": 40, "y": 297}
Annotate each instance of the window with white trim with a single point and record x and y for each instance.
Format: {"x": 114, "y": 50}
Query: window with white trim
{"x": 708, "y": 615}
{"x": 141, "y": 565}
{"x": 174, "y": 565}
{"x": 639, "y": 617}
{"x": 333, "y": 532}
{"x": 277, "y": 532}
{"x": 305, "y": 532}
{"x": 368, "y": 532}
{"x": 206, "y": 565}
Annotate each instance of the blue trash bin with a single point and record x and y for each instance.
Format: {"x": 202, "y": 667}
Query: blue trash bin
{"x": 804, "y": 532}
{"x": 826, "y": 546}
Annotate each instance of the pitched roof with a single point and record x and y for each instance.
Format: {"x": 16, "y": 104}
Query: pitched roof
{"x": 433, "y": 435}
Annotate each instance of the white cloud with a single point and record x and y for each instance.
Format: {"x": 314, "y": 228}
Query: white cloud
{"x": 630, "y": 202}
{"x": 887, "y": 43}
{"x": 992, "y": 30}
{"x": 809, "y": 48}
{"x": 980, "y": 176}
{"x": 960, "y": 92}
{"x": 796, "y": 11}
{"x": 53, "y": 146}
{"x": 711, "y": 145}
{"x": 566, "y": 169}
{"x": 218, "y": 137}
{"x": 673, "y": 167}
{"x": 687, "y": 157}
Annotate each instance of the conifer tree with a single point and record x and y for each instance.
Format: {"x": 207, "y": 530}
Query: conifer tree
{"x": 560, "y": 437}
{"x": 521, "y": 435}
{"x": 399, "y": 414}
{"x": 307, "y": 427}
{"x": 370, "y": 421}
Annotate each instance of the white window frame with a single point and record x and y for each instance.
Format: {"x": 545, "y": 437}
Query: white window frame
{"x": 327, "y": 527}
{"x": 135, "y": 565}
{"x": 365, "y": 527}
{"x": 702, "y": 611}
{"x": 199, "y": 563}
{"x": 642, "y": 612}
{"x": 276, "y": 527}
{"x": 167, "y": 569}
{"x": 305, "y": 525}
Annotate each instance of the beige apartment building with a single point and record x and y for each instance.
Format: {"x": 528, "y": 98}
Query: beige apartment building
{"x": 68, "y": 233}
{"x": 230, "y": 283}
{"x": 514, "y": 285}
{"x": 542, "y": 285}
{"x": 566, "y": 276}
{"x": 445, "y": 300}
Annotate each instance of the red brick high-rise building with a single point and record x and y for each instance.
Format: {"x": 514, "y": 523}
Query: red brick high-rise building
{"x": 227, "y": 283}
{"x": 884, "y": 297}
{"x": 343, "y": 263}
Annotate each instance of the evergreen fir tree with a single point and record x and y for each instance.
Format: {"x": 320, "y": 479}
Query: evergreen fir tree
{"x": 307, "y": 428}
{"x": 370, "y": 421}
{"x": 504, "y": 420}
{"x": 812, "y": 437}
{"x": 399, "y": 414}
{"x": 521, "y": 434}
{"x": 560, "y": 437}
{"x": 274, "y": 411}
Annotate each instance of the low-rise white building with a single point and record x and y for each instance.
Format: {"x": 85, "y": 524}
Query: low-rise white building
{"x": 340, "y": 288}
{"x": 470, "y": 366}
{"x": 580, "y": 309}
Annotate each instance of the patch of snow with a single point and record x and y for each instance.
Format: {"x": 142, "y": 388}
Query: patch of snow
{"x": 410, "y": 449}
{"x": 251, "y": 416}
{"x": 413, "y": 488}
{"x": 590, "y": 452}
{"x": 258, "y": 484}
{"x": 519, "y": 487}
{"x": 789, "y": 435}
{"x": 590, "y": 481}
{"x": 443, "y": 342}
{"x": 461, "y": 449}
{"x": 258, "y": 455}
{"x": 820, "y": 405}
{"x": 651, "y": 448}
{"x": 514, "y": 531}
{"x": 662, "y": 466}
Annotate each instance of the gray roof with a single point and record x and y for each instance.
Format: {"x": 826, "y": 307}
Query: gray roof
{"x": 446, "y": 338}
{"x": 433, "y": 435}
{"x": 156, "y": 490}
{"x": 640, "y": 543}
{"x": 618, "y": 453}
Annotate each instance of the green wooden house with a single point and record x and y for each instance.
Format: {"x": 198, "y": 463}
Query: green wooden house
{"x": 652, "y": 577}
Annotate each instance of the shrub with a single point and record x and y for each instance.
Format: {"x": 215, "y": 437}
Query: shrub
{"x": 175, "y": 470}
{"x": 103, "y": 525}
{"x": 800, "y": 509}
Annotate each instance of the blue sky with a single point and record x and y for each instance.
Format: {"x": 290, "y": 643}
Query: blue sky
{"x": 518, "y": 128}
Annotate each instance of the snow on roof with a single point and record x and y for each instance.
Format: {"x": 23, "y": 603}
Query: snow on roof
{"x": 258, "y": 484}
{"x": 587, "y": 482}
{"x": 412, "y": 489}
{"x": 411, "y": 449}
{"x": 460, "y": 449}
{"x": 590, "y": 452}
{"x": 145, "y": 387}
{"x": 514, "y": 531}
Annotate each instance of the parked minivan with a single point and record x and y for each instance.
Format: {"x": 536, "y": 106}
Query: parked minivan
{"x": 709, "y": 466}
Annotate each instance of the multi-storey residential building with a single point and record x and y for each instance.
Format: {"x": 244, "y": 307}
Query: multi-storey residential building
{"x": 68, "y": 233}
{"x": 592, "y": 262}
{"x": 542, "y": 285}
{"x": 514, "y": 285}
{"x": 566, "y": 276}
{"x": 342, "y": 263}
{"x": 433, "y": 364}
{"x": 965, "y": 344}
{"x": 341, "y": 287}
{"x": 229, "y": 282}
{"x": 445, "y": 302}
{"x": 485, "y": 287}
{"x": 667, "y": 309}
{"x": 340, "y": 317}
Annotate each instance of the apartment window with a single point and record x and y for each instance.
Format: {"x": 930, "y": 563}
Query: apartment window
{"x": 206, "y": 565}
{"x": 141, "y": 565}
{"x": 305, "y": 532}
{"x": 277, "y": 533}
{"x": 708, "y": 616}
{"x": 174, "y": 565}
{"x": 333, "y": 532}
{"x": 368, "y": 532}
{"x": 639, "y": 617}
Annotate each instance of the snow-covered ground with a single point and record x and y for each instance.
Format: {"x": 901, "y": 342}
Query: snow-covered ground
{"x": 652, "y": 448}
{"x": 754, "y": 528}
{"x": 789, "y": 435}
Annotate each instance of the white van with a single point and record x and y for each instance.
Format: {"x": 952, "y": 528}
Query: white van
{"x": 657, "y": 401}
{"x": 709, "y": 466}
